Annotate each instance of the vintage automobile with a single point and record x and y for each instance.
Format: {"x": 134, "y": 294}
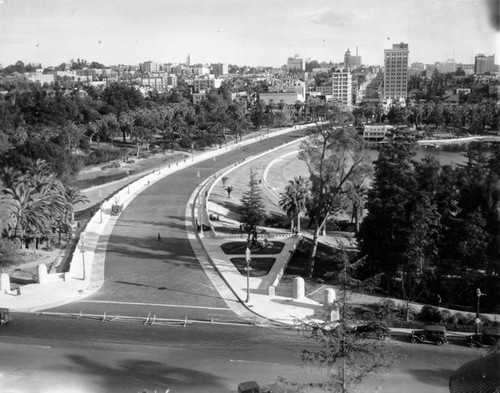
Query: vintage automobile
{"x": 430, "y": 334}
{"x": 4, "y": 315}
{"x": 488, "y": 338}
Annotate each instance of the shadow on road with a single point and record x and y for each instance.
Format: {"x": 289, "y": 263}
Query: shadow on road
{"x": 435, "y": 377}
{"x": 131, "y": 375}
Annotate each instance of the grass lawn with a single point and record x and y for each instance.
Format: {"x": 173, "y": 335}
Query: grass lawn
{"x": 259, "y": 266}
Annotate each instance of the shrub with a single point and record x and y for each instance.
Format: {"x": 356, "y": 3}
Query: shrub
{"x": 429, "y": 314}
{"x": 111, "y": 165}
{"x": 8, "y": 252}
{"x": 116, "y": 209}
{"x": 99, "y": 156}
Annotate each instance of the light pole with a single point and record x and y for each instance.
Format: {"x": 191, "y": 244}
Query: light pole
{"x": 128, "y": 184}
{"x": 100, "y": 205}
{"x": 478, "y": 321}
{"x": 82, "y": 250}
{"x": 248, "y": 258}
{"x": 200, "y": 204}
{"x": 213, "y": 165}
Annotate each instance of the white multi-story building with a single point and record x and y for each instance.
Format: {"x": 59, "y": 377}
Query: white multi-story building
{"x": 340, "y": 88}
{"x": 149, "y": 66}
{"x": 41, "y": 78}
{"x": 483, "y": 64}
{"x": 396, "y": 73}
{"x": 447, "y": 67}
{"x": 200, "y": 84}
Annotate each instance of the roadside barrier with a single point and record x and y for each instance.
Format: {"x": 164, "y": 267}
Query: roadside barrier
{"x": 153, "y": 319}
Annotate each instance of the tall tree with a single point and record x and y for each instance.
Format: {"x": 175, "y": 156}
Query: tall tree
{"x": 293, "y": 200}
{"x": 335, "y": 156}
{"x": 353, "y": 355}
{"x": 253, "y": 213}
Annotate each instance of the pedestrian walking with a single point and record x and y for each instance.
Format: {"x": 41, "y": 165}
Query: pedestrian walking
{"x": 159, "y": 237}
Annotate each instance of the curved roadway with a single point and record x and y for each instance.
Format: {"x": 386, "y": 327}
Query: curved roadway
{"x": 163, "y": 277}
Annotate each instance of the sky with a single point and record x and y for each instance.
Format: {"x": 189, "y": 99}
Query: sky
{"x": 243, "y": 32}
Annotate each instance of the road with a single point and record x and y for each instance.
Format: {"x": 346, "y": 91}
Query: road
{"x": 45, "y": 354}
{"x": 164, "y": 278}
{"x": 53, "y": 354}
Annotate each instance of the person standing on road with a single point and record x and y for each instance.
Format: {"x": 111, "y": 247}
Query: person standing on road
{"x": 159, "y": 237}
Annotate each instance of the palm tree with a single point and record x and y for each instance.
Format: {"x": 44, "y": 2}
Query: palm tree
{"x": 72, "y": 197}
{"x": 35, "y": 198}
{"x": 293, "y": 200}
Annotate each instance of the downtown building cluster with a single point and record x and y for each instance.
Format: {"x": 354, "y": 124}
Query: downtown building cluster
{"x": 348, "y": 83}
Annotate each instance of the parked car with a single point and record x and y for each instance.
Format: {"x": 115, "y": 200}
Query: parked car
{"x": 430, "y": 334}
{"x": 489, "y": 337}
{"x": 4, "y": 315}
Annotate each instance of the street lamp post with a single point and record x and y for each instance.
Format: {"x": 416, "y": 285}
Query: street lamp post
{"x": 128, "y": 184}
{"x": 200, "y": 204}
{"x": 100, "y": 205}
{"x": 248, "y": 259}
{"x": 82, "y": 250}
{"x": 478, "y": 321}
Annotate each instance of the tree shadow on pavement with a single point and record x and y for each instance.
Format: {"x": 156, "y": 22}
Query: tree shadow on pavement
{"x": 131, "y": 375}
{"x": 438, "y": 377}
{"x": 163, "y": 288}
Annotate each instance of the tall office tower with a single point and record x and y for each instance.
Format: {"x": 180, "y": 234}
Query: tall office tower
{"x": 396, "y": 73}
{"x": 295, "y": 63}
{"x": 483, "y": 64}
{"x": 352, "y": 61}
{"x": 447, "y": 66}
{"x": 220, "y": 69}
{"x": 188, "y": 60}
{"x": 149, "y": 66}
{"x": 340, "y": 87}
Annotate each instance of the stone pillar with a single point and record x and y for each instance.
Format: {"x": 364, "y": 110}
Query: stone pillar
{"x": 329, "y": 304}
{"x": 42, "y": 274}
{"x": 329, "y": 297}
{"x": 4, "y": 283}
{"x": 298, "y": 288}
{"x": 271, "y": 290}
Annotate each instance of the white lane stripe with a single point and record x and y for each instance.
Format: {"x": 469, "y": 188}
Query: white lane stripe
{"x": 252, "y": 361}
{"x": 152, "y": 304}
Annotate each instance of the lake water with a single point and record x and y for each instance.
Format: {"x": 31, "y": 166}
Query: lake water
{"x": 452, "y": 154}
{"x": 288, "y": 166}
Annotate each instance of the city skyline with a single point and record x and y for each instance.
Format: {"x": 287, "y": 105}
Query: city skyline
{"x": 252, "y": 33}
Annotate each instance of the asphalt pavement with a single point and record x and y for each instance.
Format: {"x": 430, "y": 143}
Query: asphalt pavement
{"x": 122, "y": 253}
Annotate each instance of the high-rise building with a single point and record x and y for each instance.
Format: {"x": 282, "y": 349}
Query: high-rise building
{"x": 483, "y": 64}
{"x": 149, "y": 66}
{"x": 340, "y": 87}
{"x": 220, "y": 69}
{"x": 396, "y": 73}
{"x": 188, "y": 60}
{"x": 447, "y": 67}
{"x": 295, "y": 63}
{"x": 352, "y": 61}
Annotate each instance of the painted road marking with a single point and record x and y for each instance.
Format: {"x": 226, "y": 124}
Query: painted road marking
{"x": 253, "y": 361}
{"x": 152, "y": 304}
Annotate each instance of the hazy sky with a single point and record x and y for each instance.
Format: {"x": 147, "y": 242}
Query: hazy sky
{"x": 251, "y": 32}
